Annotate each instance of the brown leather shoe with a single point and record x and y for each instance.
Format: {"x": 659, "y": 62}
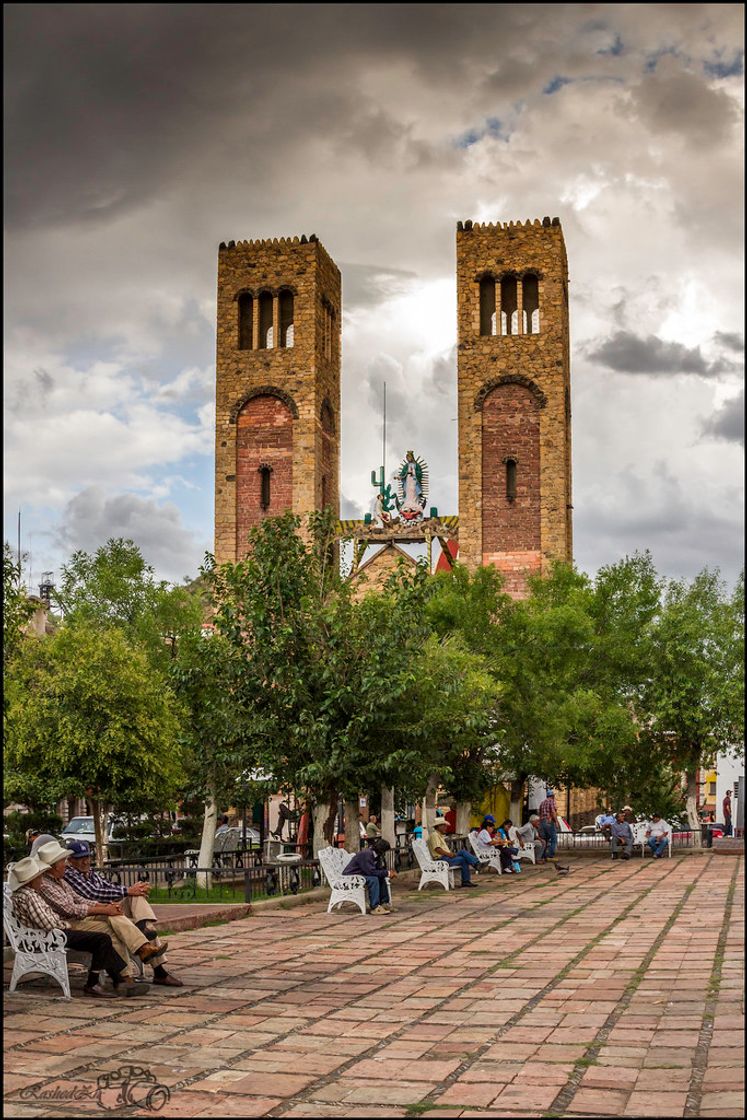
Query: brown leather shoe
{"x": 128, "y": 987}
{"x": 148, "y": 953}
{"x": 169, "y": 981}
{"x": 97, "y": 992}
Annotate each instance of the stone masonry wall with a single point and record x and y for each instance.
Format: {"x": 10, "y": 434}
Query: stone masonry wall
{"x": 264, "y": 436}
{"x": 303, "y": 376}
{"x": 540, "y": 362}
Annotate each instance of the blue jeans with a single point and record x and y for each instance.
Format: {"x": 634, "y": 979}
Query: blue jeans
{"x": 463, "y": 860}
{"x": 373, "y": 882}
{"x": 658, "y": 847}
{"x": 549, "y": 833}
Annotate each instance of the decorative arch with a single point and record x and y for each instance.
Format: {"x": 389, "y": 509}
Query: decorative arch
{"x": 509, "y": 379}
{"x": 264, "y": 391}
{"x": 244, "y": 292}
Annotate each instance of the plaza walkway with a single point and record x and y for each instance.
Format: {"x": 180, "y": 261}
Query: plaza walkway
{"x": 614, "y": 991}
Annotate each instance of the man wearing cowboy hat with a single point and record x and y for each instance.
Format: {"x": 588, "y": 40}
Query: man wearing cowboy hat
{"x": 98, "y": 917}
{"x": 30, "y": 908}
{"x": 89, "y": 884}
{"x": 437, "y": 847}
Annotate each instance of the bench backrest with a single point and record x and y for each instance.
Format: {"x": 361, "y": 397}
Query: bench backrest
{"x": 422, "y": 853}
{"x": 333, "y": 862}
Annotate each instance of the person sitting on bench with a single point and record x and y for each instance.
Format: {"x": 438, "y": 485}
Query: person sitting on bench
{"x": 31, "y": 910}
{"x": 622, "y": 837}
{"x": 438, "y": 849}
{"x": 91, "y": 885}
{"x": 369, "y": 862}
{"x": 96, "y": 917}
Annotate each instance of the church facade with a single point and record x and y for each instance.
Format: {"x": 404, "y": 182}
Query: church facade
{"x": 278, "y": 393}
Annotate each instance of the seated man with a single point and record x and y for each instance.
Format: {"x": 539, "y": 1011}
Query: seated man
{"x": 91, "y": 885}
{"x": 370, "y": 864}
{"x": 605, "y": 820}
{"x": 31, "y": 910}
{"x": 372, "y": 828}
{"x": 621, "y": 837}
{"x": 438, "y": 849}
{"x": 527, "y": 834}
{"x": 96, "y": 917}
{"x": 658, "y": 835}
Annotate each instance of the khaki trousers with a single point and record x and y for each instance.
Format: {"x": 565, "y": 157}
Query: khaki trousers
{"x": 126, "y": 937}
{"x": 138, "y": 909}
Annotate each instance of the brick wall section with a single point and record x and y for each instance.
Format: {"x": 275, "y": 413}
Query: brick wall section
{"x": 510, "y": 427}
{"x": 264, "y": 436}
{"x": 303, "y": 373}
{"x": 541, "y": 358}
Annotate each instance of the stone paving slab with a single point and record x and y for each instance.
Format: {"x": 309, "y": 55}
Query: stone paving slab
{"x": 615, "y": 991}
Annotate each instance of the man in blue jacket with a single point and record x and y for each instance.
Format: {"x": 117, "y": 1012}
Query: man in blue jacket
{"x": 370, "y": 863}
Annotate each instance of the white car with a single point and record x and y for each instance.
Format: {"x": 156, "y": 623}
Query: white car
{"x": 81, "y": 828}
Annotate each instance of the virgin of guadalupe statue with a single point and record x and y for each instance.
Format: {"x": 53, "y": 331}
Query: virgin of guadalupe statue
{"x": 410, "y": 478}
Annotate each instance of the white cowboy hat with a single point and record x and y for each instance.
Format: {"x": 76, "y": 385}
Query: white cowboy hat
{"x": 24, "y": 871}
{"x": 52, "y": 853}
{"x": 438, "y": 821}
{"x": 40, "y": 841}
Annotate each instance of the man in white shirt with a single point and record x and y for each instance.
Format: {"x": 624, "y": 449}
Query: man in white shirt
{"x": 657, "y": 836}
{"x": 527, "y": 834}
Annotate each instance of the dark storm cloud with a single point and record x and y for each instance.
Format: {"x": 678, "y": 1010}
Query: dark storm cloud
{"x": 727, "y": 423}
{"x": 626, "y": 352}
{"x": 106, "y": 104}
{"x": 673, "y": 100}
{"x": 90, "y": 518}
{"x": 731, "y": 340}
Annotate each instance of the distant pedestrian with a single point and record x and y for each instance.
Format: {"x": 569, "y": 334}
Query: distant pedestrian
{"x": 372, "y": 828}
{"x": 726, "y": 806}
{"x": 622, "y": 837}
{"x": 548, "y": 824}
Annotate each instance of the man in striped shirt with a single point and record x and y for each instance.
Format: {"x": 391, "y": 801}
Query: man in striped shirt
{"x": 548, "y": 824}
{"x": 92, "y": 885}
{"x": 30, "y": 909}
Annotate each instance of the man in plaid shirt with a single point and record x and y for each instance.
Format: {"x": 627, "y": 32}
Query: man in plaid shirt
{"x": 30, "y": 909}
{"x": 91, "y": 885}
{"x": 548, "y": 824}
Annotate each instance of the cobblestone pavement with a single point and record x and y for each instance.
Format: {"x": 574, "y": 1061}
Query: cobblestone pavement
{"x": 614, "y": 991}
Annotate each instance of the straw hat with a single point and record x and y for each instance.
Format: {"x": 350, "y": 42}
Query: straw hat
{"x": 41, "y": 840}
{"x": 24, "y": 871}
{"x": 52, "y": 853}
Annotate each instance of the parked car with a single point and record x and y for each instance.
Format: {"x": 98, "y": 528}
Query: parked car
{"x": 82, "y": 828}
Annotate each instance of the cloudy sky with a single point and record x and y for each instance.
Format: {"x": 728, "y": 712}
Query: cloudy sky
{"x": 140, "y": 136}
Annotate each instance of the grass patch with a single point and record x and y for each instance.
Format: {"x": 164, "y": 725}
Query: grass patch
{"x": 214, "y": 896}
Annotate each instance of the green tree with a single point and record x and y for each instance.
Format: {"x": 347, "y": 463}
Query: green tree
{"x": 692, "y": 704}
{"x": 17, "y": 608}
{"x": 115, "y": 587}
{"x": 88, "y": 714}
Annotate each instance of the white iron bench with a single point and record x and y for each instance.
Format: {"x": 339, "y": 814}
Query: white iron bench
{"x": 639, "y": 837}
{"x": 432, "y": 870}
{"x": 40, "y": 951}
{"x": 344, "y": 888}
{"x": 488, "y": 857}
{"x": 527, "y": 852}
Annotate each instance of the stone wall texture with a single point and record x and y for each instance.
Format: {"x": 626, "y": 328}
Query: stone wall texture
{"x": 303, "y": 378}
{"x": 514, "y": 398}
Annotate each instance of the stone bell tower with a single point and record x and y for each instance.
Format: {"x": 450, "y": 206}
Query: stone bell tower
{"x": 277, "y": 385}
{"x": 514, "y": 397}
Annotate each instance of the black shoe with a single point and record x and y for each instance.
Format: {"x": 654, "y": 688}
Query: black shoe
{"x": 469, "y": 884}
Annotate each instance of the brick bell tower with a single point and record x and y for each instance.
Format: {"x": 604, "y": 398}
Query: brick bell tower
{"x": 277, "y": 385}
{"x": 514, "y": 397}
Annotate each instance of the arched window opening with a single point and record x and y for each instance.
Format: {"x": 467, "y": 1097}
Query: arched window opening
{"x": 531, "y": 305}
{"x": 246, "y": 321}
{"x": 266, "y": 341}
{"x": 487, "y": 306}
{"x": 286, "y": 318}
{"x": 325, "y": 494}
{"x": 265, "y": 473}
{"x": 509, "y": 306}
{"x": 511, "y": 479}
{"x": 327, "y": 418}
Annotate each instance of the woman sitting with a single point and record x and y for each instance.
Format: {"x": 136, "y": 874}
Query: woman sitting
{"x": 490, "y": 837}
{"x": 507, "y": 852}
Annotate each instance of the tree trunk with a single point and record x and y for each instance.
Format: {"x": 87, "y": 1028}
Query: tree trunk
{"x": 100, "y": 831}
{"x": 691, "y": 778}
{"x": 323, "y": 817}
{"x": 387, "y": 815}
{"x": 517, "y": 801}
{"x": 463, "y": 814}
{"x": 207, "y": 844}
{"x": 352, "y": 826}
{"x": 429, "y": 804}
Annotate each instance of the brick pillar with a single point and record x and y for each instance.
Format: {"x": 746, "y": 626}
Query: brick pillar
{"x": 520, "y": 304}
